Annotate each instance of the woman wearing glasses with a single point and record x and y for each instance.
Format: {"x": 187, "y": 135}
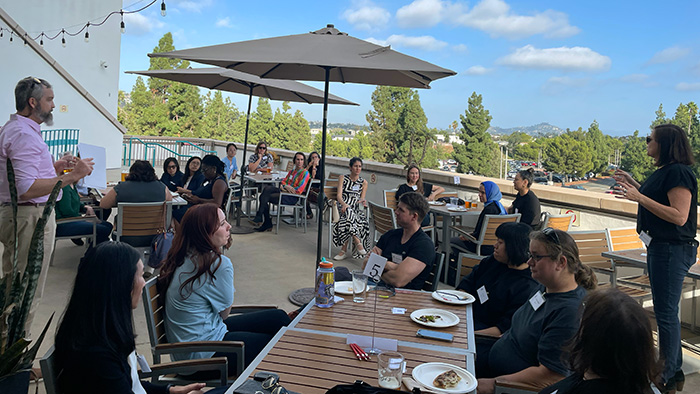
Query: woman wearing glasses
{"x": 667, "y": 223}
{"x": 172, "y": 176}
{"x": 198, "y": 283}
{"x": 501, "y": 282}
{"x": 531, "y": 351}
{"x": 261, "y": 159}
{"x": 193, "y": 177}
{"x": 213, "y": 190}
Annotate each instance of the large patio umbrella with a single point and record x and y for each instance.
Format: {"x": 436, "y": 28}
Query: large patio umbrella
{"x": 323, "y": 55}
{"x": 252, "y": 85}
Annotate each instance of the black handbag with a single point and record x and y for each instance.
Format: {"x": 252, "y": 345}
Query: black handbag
{"x": 360, "y": 387}
{"x": 447, "y": 200}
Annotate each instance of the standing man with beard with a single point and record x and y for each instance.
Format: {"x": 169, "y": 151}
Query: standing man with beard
{"x": 36, "y": 174}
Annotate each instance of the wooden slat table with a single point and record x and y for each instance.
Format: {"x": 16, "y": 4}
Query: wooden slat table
{"x": 348, "y": 317}
{"x": 312, "y": 363}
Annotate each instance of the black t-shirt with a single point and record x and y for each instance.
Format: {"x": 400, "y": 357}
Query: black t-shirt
{"x": 574, "y": 384}
{"x": 419, "y": 247}
{"x": 656, "y": 187}
{"x": 507, "y": 290}
{"x": 528, "y": 206}
{"x": 427, "y": 189}
{"x": 538, "y": 336}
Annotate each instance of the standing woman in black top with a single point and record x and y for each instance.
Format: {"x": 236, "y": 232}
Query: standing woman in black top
{"x": 526, "y": 202}
{"x": 667, "y": 222}
{"x": 414, "y": 183}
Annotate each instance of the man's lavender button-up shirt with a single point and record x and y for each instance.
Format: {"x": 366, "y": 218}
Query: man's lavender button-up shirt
{"x": 20, "y": 140}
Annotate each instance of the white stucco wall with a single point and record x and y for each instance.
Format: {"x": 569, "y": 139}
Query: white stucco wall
{"x": 81, "y": 60}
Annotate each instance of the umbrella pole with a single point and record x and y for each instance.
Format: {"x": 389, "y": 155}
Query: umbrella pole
{"x": 321, "y": 195}
{"x": 245, "y": 150}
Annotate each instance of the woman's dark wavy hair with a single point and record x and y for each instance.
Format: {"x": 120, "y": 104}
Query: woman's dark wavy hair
{"x": 517, "y": 241}
{"x": 527, "y": 175}
{"x": 419, "y": 183}
{"x": 188, "y": 173}
{"x": 674, "y": 146}
{"x": 99, "y": 310}
{"x": 193, "y": 241}
{"x": 355, "y": 160}
{"x": 615, "y": 342}
{"x": 214, "y": 161}
{"x": 566, "y": 246}
{"x": 167, "y": 162}
{"x": 142, "y": 171}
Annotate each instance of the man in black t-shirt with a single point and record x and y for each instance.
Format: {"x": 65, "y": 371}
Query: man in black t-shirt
{"x": 409, "y": 251}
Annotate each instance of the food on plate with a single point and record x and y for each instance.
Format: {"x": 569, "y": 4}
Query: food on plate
{"x": 447, "y": 380}
{"x": 429, "y": 318}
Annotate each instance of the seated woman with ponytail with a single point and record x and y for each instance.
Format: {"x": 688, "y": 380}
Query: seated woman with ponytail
{"x": 532, "y": 351}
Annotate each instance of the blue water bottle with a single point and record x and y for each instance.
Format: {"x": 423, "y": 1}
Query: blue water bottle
{"x": 325, "y": 284}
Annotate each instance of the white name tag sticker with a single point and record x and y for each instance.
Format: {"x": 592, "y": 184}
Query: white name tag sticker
{"x": 375, "y": 266}
{"x": 398, "y": 311}
{"x": 396, "y": 258}
{"x": 356, "y": 188}
{"x": 483, "y": 294}
{"x": 645, "y": 237}
{"x": 414, "y": 187}
{"x": 537, "y": 300}
{"x": 143, "y": 364}
{"x": 457, "y": 179}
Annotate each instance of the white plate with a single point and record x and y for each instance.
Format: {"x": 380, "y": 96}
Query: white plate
{"x": 453, "y": 300}
{"x": 457, "y": 208}
{"x": 436, "y": 203}
{"x": 344, "y": 287}
{"x": 424, "y": 374}
{"x": 447, "y": 319}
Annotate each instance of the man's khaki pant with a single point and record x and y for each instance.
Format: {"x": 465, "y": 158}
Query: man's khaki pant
{"x": 27, "y": 216}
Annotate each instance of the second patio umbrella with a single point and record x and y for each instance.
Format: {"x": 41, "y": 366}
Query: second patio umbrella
{"x": 323, "y": 55}
{"x": 244, "y": 83}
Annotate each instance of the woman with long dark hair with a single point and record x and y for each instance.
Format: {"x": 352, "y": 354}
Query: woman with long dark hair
{"x": 95, "y": 346}
{"x": 212, "y": 190}
{"x": 667, "y": 223}
{"x": 172, "y": 177}
{"x": 197, "y": 280}
{"x": 353, "y": 225}
{"x": 414, "y": 183}
{"x": 193, "y": 178}
{"x": 614, "y": 330}
{"x": 532, "y": 351}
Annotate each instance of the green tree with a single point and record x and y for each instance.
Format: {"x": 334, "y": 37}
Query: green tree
{"x": 262, "y": 123}
{"x": 290, "y": 132}
{"x": 634, "y": 158}
{"x": 566, "y": 155}
{"x": 599, "y": 148}
{"x": 660, "y": 117}
{"x": 220, "y": 119}
{"x": 477, "y": 152}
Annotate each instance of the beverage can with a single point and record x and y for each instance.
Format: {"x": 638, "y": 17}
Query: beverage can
{"x": 325, "y": 284}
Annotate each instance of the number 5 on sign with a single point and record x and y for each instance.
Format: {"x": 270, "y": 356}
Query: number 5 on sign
{"x": 375, "y": 266}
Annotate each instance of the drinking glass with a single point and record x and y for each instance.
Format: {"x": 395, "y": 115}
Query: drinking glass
{"x": 359, "y": 286}
{"x": 454, "y": 201}
{"x": 390, "y": 367}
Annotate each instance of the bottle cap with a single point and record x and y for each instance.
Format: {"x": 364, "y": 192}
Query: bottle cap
{"x": 326, "y": 264}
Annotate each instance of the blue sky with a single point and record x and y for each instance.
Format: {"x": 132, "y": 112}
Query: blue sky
{"x": 562, "y": 62}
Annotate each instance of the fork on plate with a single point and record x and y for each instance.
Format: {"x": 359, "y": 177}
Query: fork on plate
{"x": 460, "y": 298}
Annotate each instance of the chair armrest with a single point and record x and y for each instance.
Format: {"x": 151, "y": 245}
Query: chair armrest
{"x": 522, "y": 387}
{"x": 78, "y": 219}
{"x": 464, "y": 232}
{"x": 199, "y": 346}
{"x": 187, "y": 367}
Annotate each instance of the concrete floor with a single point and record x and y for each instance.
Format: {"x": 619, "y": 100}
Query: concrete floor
{"x": 267, "y": 268}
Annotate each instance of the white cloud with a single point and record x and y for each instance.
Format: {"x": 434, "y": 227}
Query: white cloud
{"x": 669, "y": 55}
{"x": 426, "y": 43}
{"x": 191, "y": 5}
{"x": 140, "y": 24}
{"x": 460, "y": 48}
{"x": 478, "y": 70}
{"x": 562, "y": 58}
{"x": 367, "y": 16}
{"x": 634, "y": 78}
{"x": 688, "y": 87}
{"x": 421, "y": 13}
{"x": 224, "y": 22}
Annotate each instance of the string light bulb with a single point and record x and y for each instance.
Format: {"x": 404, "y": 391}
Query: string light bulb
{"x": 1, "y": 29}
{"x": 11, "y": 35}
{"x": 87, "y": 33}
{"x": 63, "y": 37}
{"x": 162, "y": 8}
{"x": 41, "y": 39}
{"x": 123, "y": 28}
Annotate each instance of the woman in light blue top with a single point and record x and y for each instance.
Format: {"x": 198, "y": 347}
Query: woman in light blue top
{"x": 230, "y": 164}
{"x": 198, "y": 283}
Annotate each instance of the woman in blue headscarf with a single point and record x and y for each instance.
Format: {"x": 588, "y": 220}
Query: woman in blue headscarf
{"x": 490, "y": 196}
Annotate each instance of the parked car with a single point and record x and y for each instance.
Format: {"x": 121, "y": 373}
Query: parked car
{"x": 541, "y": 179}
{"x": 578, "y": 187}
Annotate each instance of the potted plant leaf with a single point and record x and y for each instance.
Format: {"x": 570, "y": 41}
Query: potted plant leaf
{"x": 17, "y": 290}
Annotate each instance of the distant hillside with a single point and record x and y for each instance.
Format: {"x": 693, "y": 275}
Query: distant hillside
{"x": 316, "y": 124}
{"x": 538, "y": 130}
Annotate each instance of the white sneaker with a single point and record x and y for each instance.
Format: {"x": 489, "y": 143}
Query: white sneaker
{"x": 340, "y": 256}
{"x": 362, "y": 252}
